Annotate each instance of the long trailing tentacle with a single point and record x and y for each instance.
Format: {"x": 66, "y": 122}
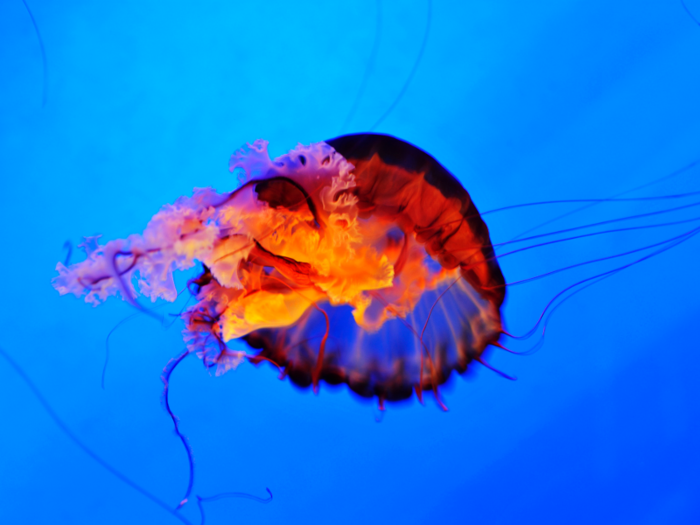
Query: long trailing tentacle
{"x": 589, "y": 281}
{"x": 671, "y": 175}
{"x": 600, "y": 259}
{"x": 201, "y": 500}
{"x": 691, "y": 15}
{"x": 107, "y": 352}
{"x": 78, "y": 442}
{"x": 44, "y": 62}
{"x": 167, "y": 372}
{"x": 368, "y": 68}
{"x": 413, "y": 70}
{"x": 127, "y": 319}
{"x": 594, "y": 201}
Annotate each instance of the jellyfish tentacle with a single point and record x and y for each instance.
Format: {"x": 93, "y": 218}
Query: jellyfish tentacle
{"x": 407, "y": 83}
{"x": 671, "y": 175}
{"x": 492, "y": 368}
{"x": 244, "y": 495}
{"x": 167, "y": 372}
{"x": 585, "y": 235}
{"x": 605, "y": 258}
{"x": 68, "y": 246}
{"x": 82, "y": 446}
{"x": 691, "y": 15}
{"x": 424, "y": 352}
{"x": 589, "y": 281}
{"x": 322, "y": 346}
{"x": 44, "y": 61}
{"x": 368, "y": 68}
{"x": 321, "y": 351}
{"x": 106, "y": 362}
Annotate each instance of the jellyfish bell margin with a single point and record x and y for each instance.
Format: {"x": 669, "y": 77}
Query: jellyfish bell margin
{"x": 358, "y": 260}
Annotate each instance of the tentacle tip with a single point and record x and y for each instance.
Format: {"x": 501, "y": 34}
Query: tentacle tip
{"x": 419, "y": 394}
{"x": 493, "y": 369}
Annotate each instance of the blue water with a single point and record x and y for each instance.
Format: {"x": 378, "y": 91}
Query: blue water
{"x": 522, "y": 102}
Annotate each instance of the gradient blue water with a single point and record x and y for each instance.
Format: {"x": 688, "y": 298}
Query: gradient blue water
{"x": 522, "y": 101}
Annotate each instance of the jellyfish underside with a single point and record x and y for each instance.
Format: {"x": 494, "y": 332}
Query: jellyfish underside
{"x": 359, "y": 260}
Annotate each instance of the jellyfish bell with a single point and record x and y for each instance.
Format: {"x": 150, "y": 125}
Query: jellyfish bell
{"x": 441, "y": 308}
{"x": 358, "y": 260}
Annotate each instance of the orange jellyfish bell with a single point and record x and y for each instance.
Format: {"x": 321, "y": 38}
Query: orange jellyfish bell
{"x": 359, "y": 260}
{"x": 440, "y": 309}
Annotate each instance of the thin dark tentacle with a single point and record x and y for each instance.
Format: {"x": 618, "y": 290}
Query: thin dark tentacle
{"x": 201, "y": 500}
{"x": 689, "y": 13}
{"x": 368, "y": 69}
{"x": 129, "y": 318}
{"x": 167, "y": 371}
{"x": 596, "y": 278}
{"x": 104, "y": 367}
{"x": 69, "y": 247}
{"x": 493, "y": 369}
{"x": 44, "y": 62}
{"x": 592, "y": 201}
{"x": 636, "y": 188}
{"x": 413, "y": 71}
{"x": 70, "y": 435}
{"x": 600, "y": 259}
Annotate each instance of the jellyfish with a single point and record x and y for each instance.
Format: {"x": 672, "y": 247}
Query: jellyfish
{"x": 359, "y": 260}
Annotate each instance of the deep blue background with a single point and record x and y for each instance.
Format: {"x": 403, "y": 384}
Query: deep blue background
{"x": 523, "y": 101}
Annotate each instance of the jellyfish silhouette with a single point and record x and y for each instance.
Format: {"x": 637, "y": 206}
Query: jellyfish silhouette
{"x": 359, "y": 260}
